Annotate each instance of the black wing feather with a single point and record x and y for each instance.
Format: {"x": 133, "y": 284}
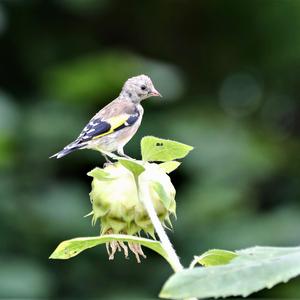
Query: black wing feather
{"x": 132, "y": 119}
{"x": 129, "y": 122}
{"x": 94, "y": 128}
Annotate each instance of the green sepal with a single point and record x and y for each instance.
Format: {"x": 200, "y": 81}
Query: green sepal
{"x": 169, "y": 166}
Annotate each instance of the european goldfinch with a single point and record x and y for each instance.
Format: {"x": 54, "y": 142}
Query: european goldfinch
{"x": 115, "y": 124}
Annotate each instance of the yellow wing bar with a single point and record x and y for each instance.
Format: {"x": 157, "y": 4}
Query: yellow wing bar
{"x": 114, "y": 123}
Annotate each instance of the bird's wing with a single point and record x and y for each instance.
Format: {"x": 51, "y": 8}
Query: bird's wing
{"x": 115, "y": 116}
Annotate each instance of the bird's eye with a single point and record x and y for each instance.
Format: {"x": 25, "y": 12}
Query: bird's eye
{"x": 143, "y": 87}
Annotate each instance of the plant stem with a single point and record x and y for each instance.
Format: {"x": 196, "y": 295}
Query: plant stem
{"x": 164, "y": 239}
{"x": 194, "y": 262}
{"x": 166, "y": 244}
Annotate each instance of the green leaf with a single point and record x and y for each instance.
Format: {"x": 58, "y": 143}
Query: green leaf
{"x": 70, "y": 248}
{"x": 132, "y": 165}
{"x": 99, "y": 174}
{"x": 215, "y": 257}
{"x": 254, "y": 269}
{"x": 169, "y": 166}
{"x": 155, "y": 149}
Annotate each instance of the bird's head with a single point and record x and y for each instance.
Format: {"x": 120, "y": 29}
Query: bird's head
{"x": 139, "y": 88}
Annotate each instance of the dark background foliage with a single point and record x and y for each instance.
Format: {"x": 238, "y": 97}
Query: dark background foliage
{"x": 229, "y": 73}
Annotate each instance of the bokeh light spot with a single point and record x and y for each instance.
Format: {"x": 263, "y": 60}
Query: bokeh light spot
{"x": 240, "y": 94}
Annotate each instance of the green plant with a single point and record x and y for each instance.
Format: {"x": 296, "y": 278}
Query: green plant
{"x": 132, "y": 197}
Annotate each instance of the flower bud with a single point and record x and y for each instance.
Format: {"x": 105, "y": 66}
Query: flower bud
{"x": 116, "y": 204}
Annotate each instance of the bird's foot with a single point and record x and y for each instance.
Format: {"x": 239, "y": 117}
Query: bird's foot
{"x": 106, "y": 164}
{"x": 122, "y": 154}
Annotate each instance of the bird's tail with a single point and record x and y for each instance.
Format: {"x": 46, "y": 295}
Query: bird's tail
{"x": 67, "y": 150}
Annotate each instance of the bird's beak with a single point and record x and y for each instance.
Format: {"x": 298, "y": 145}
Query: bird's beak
{"x": 155, "y": 93}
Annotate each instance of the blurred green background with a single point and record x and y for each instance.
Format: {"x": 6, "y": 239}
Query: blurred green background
{"x": 229, "y": 72}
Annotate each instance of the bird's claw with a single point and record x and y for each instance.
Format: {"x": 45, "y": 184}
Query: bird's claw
{"x": 106, "y": 164}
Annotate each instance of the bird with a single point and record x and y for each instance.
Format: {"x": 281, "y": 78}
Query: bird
{"x": 116, "y": 123}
